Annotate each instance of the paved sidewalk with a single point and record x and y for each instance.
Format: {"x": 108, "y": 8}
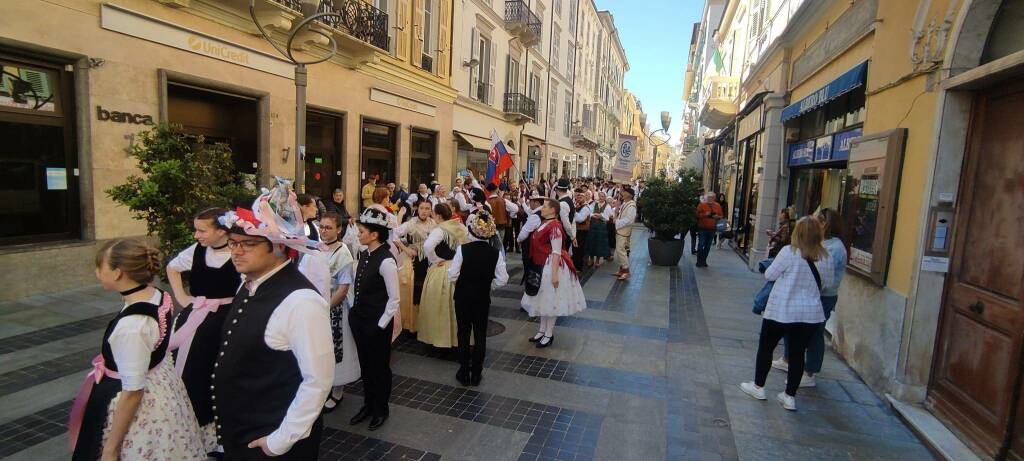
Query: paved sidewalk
{"x": 648, "y": 372}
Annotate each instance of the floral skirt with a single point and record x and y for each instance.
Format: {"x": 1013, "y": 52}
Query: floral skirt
{"x": 164, "y": 427}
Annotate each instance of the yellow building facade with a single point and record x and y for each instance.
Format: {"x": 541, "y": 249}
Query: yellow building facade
{"x": 381, "y": 107}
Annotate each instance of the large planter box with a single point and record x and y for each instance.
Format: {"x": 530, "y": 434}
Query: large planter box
{"x": 665, "y": 252}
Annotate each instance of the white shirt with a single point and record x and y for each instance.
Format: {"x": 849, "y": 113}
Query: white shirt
{"x": 510, "y": 207}
{"x": 500, "y": 272}
{"x": 532, "y": 223}
{"x": 465, "y": 204}
{"x": 584, "y": 212}
{"x": 627, "y": 215}
{"x": 214, "y": 258}
{"x": 132, "y": 342}
{"x": 795, "y": 298}
{"x": 301, "y": 324}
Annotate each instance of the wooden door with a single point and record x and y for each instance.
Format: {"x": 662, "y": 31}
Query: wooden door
{"x": 977, "y": 365}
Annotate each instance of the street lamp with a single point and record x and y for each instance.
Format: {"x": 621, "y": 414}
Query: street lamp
{"x": 310, "y": 12}
{"x": 666, "y": 121}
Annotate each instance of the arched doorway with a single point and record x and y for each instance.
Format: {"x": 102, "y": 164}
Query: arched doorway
{"x": 977, "y": 376}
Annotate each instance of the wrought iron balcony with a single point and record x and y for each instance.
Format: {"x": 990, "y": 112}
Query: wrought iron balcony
{"x": 358, "y": 19}
{"x": 522, "y": 22}
{"x": 520, "y": 105}
{"x": 584, "y": 137}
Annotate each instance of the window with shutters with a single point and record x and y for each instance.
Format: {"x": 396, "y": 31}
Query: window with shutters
{"x": 481, "y": 81}
{"x": 534, "y": 91}
{"x": 570, "y": 59}
{"x": 430, "y": 29}
{"x": 567, "y": 122}
{"x": 511, "y": 75}
{"x": 572, "y": 16}
{"x": 553, "y": 108}
{"x": 556, "y": 37}
{"x": 557, "y": 7}
{"x": 388, "y": 6}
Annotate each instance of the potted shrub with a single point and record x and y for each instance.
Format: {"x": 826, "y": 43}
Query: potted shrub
{"x": 669, "y": 210}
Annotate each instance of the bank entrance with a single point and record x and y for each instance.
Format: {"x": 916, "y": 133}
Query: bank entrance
{"x": 218, "y": 117}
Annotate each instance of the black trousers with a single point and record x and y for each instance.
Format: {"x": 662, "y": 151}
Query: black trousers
{"x": 373, "y": 345}
{"x": 797, "y": 335}
{"x": 579, "y": 252}
{"x": 305, "y": 449}
{"x": 471, "y": 317}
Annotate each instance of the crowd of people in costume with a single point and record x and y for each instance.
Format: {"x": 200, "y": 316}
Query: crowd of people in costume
{"x": 285, "y": 302}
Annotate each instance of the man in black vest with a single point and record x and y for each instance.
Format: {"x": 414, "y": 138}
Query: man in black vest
{"x": 566, "y": 212}
{"x": 376, "y": 293}
{"x": 476, "y": 264}
{"x": 276, "y": 362}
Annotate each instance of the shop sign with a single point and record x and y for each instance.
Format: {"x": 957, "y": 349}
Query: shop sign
{"x": 104, "y": 115}
{"x": 841, "y": 143}
{"x": 823, "y": 149}
{"x": 850, "y": 80}
{"x": 751, "y": 124}
{"x": 403, "y": 102}
{"x": 801, "y": 153}
{"x": 128, "y": 22}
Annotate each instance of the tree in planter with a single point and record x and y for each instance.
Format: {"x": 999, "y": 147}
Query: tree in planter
{"x": 181, "y": 175}
{"x": 670, "y": 206}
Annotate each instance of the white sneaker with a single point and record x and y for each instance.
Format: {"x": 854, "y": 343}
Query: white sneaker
{"x": 780, "y": 364}
{"x": 753, "y": 390}
{"x": 787, "y": 402}
{"x": 808, "y": 381}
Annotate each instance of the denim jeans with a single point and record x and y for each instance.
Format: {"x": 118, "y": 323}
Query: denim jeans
{"x": 816, "y": 347}
{"x": 704, "y": 245}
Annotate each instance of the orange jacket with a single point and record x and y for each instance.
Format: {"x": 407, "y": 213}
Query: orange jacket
{"x": 705, "y": 221}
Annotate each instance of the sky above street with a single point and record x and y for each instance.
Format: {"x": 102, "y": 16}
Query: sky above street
{"x": 656, "y": 37}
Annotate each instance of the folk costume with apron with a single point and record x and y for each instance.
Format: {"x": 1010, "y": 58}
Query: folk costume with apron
{"x": 415, "y": 232}
{"x": 567, "y": 298}
{"x": 164, "y": 426}
{"x": 197, "y": 329}
{"x": 436, "y": 323}
{"x": 346, "y": 361}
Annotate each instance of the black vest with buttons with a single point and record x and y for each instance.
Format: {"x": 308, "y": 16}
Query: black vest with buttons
{"x": 253, "y": 385}
{"x": 479, "y": 259}
{"x": 371, "y": 294}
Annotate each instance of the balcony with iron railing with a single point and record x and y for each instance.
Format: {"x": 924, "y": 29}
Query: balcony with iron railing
{"x": 519, "y": 107}
{"x": 584, "y": 137}
{"x": 522, "y": 22}
{"x": 359, "y": 29}
{"x": 719, "y": 103}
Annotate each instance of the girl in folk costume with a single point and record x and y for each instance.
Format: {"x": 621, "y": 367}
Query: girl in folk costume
{"x": 560, "y": 293}
{"x": 597, "y": 239}
{"x": 132, "y": 405}
{"x": 414, "y": 232}
{"x": 346, "y": 368}
{"x": 213, "y": 282}
{"x": 436, "y": 322}
{"x": 309, "y": 211}
{"x": 374, "y": 305}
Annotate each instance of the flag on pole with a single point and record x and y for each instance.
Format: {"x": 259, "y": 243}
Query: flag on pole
{"x": 717, "y": 58}
{"x": 498, "y": 160}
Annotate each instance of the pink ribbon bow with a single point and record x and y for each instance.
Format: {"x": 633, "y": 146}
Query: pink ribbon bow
{"x": 181, "y": 340}
{"x": 99, "y": 370}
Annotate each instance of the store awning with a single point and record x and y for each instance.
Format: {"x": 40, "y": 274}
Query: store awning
{"x": 477, "y": 142}
{"x": 847, "y": 82}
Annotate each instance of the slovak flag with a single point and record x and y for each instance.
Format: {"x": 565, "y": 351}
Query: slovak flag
{"x": 498, "y": 160}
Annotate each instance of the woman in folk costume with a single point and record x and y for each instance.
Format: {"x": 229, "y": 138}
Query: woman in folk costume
{"x": 560, "y": 293}
{"x": 414, "y": 232}
{"x": 374, "y": 306}
{"x": 196, "y": 339}
{"x": 597, "y": 240}
{"x": 436, "y": 323}
{"x": 133, "y": 406}
{"x": 346, "y": 368}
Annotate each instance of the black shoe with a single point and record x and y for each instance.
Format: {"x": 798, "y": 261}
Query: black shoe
{"x": 360, "y": 416}
{"x": 332, "y": 403}
{"x": 542, "y": 344}
{"x": 474, "y": 378}
{"x": 462, "y": 376}
{"x": 536, "y": 337}
{"x": 377, "y": 422}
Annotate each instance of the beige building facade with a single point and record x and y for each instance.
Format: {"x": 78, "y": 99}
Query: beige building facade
{"x": 79, "y": 94}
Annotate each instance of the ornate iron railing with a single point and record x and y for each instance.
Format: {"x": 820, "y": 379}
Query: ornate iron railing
{"x": 517, "y": 13}
{"x": 518, "y": 103}
{"x": 290, "y": 4}
{"x": 358, "y": 19}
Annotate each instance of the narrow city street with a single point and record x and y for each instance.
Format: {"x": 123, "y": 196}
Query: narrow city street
{"x": 649, "y": 371}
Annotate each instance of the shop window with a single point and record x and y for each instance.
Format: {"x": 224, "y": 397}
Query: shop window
{"x": 424, "y": 158}
{"x": 812, "y": 189}
{"x": 39, "y": 198}
{"x": 379, "y": 143}
{"x": 218, "y": 118}
{"x": 473, "y": 160}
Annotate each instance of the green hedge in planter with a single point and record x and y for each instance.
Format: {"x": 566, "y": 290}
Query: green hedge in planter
{"x": 669, "y": 207}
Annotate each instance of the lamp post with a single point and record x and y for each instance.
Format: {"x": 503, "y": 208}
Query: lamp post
{"x": 666, "y": 121}
{"x": 310, "y": 12}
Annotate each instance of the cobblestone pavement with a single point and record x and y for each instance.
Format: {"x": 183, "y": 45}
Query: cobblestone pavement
{"x": 648, "y": 372}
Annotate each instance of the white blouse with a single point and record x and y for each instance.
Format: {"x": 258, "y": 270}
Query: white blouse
{"x": 132, "y": 342}
{"x": 214, "y": 258}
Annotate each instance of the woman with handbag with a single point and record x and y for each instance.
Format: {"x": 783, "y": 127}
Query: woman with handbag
{"x": 794, "y": 309}
{"x": 557, "y": 292}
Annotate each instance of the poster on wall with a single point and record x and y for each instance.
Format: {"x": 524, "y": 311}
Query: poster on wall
{"x": 625, "y": 157}
{"x": 801, "y": 153}
{"x": 823, "y": 149}
{"x": 841, "y": 143}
